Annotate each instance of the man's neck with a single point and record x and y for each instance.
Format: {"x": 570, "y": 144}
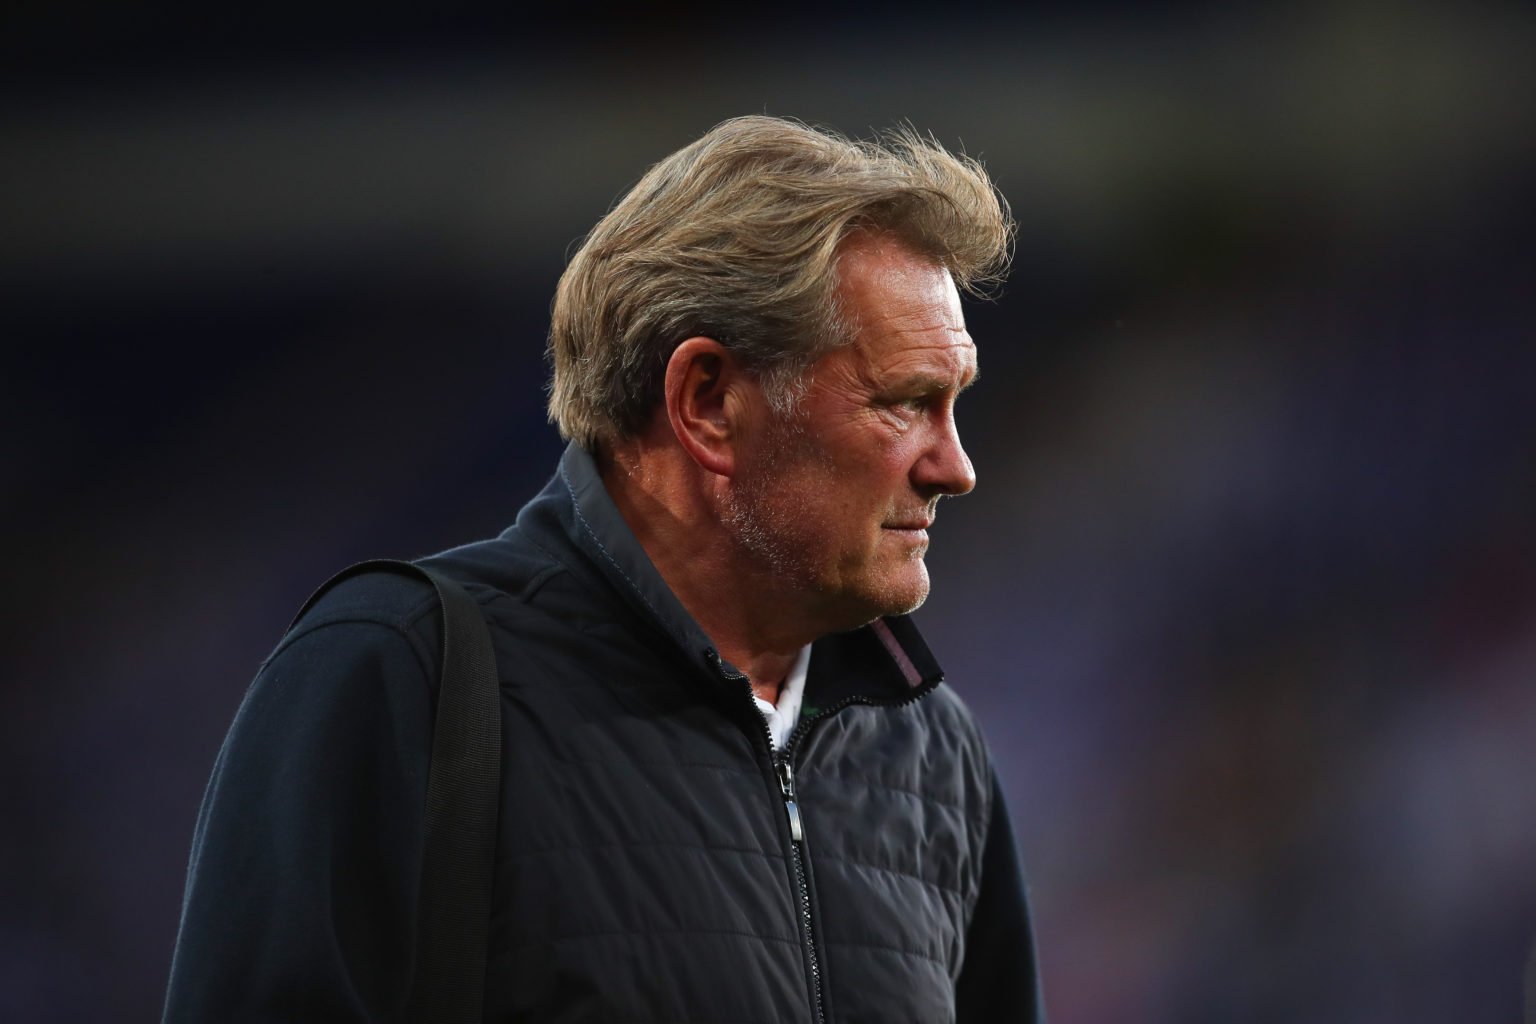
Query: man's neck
{"x": 735, "y": 606}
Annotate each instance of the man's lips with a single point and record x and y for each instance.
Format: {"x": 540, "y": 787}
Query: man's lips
{"x": 913, "y": 525}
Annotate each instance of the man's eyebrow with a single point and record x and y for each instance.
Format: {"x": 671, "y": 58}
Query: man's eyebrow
{"x": 930, "y": 382}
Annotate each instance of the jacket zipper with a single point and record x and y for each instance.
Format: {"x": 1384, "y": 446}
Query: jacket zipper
{"x": 784, "y": 770}
{"x": 784, "y": 767}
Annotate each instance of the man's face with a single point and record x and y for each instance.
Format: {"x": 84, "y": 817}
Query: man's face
{"x": 836, "y": 502}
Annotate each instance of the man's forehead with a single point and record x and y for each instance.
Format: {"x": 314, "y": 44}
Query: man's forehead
{"x": 889, "y": 291}
{"x": 929, "y": 343}
{"x": 916, "y": 319}
{"x": 886, "y": 278}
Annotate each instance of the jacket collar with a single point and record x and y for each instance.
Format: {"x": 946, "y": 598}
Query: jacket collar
{"x": 885, "y": 660}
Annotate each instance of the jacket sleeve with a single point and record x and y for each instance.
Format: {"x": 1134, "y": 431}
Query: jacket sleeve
{"x": 1000, "y": 979}
{"x": 300, "y": 902}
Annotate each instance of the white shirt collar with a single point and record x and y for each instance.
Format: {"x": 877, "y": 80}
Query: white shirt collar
{"x": 783, "y": 718}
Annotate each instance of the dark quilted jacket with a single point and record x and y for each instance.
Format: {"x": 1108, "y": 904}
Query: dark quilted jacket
{"x": 647, "y": 869}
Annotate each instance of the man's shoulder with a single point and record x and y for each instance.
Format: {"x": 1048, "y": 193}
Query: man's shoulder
{"x": 505, "y": 570}
{"x": 949, "y": 724}
{"x": 948, "y": 708}
{"x": 373, "y": 614}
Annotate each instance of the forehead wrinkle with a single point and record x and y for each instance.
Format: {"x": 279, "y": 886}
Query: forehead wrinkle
{"x": 952, "y": 339}
{"x": 917, "y": 318}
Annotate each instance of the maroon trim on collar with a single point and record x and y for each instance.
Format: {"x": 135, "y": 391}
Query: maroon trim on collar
{"x": 898, "y": 653}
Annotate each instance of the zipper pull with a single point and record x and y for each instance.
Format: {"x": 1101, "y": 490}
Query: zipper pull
{"x": 787, "y": 787}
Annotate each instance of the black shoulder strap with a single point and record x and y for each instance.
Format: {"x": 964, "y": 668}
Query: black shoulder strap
{"x": 463, "y": 798}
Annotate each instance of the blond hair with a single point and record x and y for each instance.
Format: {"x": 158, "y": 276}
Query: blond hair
{"x": 736, "y": 237}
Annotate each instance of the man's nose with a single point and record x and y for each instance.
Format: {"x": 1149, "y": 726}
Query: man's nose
{"x": 944, "y": 467}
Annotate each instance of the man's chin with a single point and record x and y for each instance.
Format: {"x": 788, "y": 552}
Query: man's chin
{"x": 909, "y": 606}
{"x": 899, "y": 596}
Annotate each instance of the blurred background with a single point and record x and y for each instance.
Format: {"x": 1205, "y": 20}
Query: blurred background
{"x": 1246, "y": 596}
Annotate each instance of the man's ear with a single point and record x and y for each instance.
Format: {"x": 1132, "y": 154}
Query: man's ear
{"x": 703, "y": 396}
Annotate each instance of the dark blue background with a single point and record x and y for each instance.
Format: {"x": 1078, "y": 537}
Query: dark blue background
{"x": 1246, "y": 595}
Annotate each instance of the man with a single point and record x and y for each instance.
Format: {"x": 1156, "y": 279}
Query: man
{"x": 733, "y": 786}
